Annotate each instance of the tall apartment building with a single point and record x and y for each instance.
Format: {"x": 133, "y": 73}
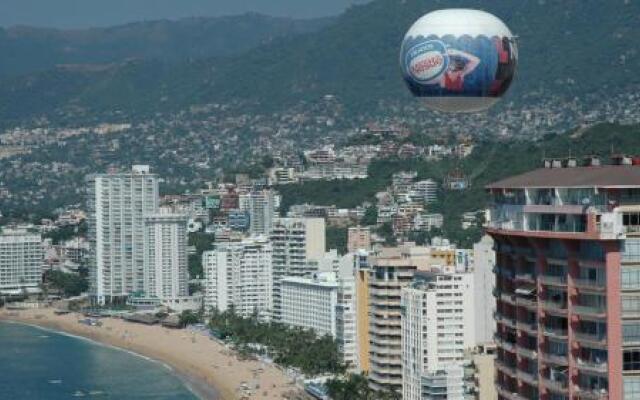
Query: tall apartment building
{"x": 437, "y": 329}
{"x": 568, "y": 281}
{"x": 388, "y": 273}
{"x": 296, "y": 241}
{"x": 484, "y": 281}
{"x": 311, "y": 302}
{"x": 358, "y": 238}
{"x": 261, "y": 208}
{"x": 239, "y": 274}
{"x": 325, "y": 303}
{"x": 117, "y": 204}
{"x": 21, "y": 262}
{"x": 165, "y": 259}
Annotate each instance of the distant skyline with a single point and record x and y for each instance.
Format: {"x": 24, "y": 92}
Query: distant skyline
{"x": 69, "y": 14}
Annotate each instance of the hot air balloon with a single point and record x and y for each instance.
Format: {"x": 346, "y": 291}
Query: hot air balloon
{"x": 459, "y": 60}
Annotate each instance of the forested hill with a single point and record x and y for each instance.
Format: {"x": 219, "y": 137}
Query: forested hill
{"x": 28, "y": 49}
{"x": 490, "y": 161}
{"x": 568, "y": 48}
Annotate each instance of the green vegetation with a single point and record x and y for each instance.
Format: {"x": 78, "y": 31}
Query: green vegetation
{"x": 69, "y": 284}
{"x": 189, "y": 317}
{"x": 336, "y": 239}
{"x": 490, "y": 161}
{"x": 289, "y": 347}
{"x": 65, "y": 233}
{"x": 202, "y": 242}
{"x": 356, "y": 387}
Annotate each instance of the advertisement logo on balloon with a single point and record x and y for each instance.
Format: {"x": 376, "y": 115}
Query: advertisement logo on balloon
{"x": 426, "y": 61}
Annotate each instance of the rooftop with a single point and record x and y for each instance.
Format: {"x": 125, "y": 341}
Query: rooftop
{"x": 605, "y": 176}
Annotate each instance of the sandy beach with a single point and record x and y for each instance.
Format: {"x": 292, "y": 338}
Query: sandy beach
{"x": 209, "y": 368}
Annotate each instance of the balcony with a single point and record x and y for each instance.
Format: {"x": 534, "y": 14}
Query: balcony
{"x": 557, "y": 333}
{"x": 505, "y": 368}
{"x": 506, "y": 320}
{"x": 528, "y": 377}
{"x": 598, "y": 340}
{"x": 591, "y": 394}
{"x": 553, "y": 280}
{"x": 590, "y": 312}
{"x": 530, "y": 304}
{"x": 554, "y": 307}
{"x": 590, "y": 284}
{"x": 529, "y": 327}
{"x": 525, "y": 277}
{"x": 509, "y": 395}
{"x": 591, "y": 366}
{"x": 557, "y": 386}
{"x": 555, "y": 359}
{"x": 525, "y": 352}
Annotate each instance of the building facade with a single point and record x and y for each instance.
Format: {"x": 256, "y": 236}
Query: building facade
{"x": 117, "y": 204}
{"x": 166, "y": 275}
{"x": 311, "y": 303}
{"x": 296, "y": 242}
{"x": 437, "y": 321}
{"x": 389, "y": 272}
{"x": 21, "y": 262}
{"x": 358, "y": 238}
{"x": 484, "y": 282}
{"x": 239, "y": 275}
{"x": 260, "y": 206}
{"x": 568, "y": 282}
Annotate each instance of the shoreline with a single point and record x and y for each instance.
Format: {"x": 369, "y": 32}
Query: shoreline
{"x": 207, "y": 368}
{"x": 201, "y": 389}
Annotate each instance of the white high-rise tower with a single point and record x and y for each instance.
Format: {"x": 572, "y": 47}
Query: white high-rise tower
{"x": 117, "y": 205}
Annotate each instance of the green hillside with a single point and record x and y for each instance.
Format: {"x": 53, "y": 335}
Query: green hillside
{"x": 489, "y": 162}
{"x": 38, "y": 49}
{"x": 567, "y": 48}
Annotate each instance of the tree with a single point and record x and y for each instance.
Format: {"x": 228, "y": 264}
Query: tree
{"x": 337, "y": 239}
{"x": 370, "y": 216}
{"x": 188, "y": 317}
{"x": 69, "y": 284}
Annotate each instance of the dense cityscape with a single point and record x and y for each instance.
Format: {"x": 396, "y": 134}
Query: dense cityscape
{"x": 256, "y": 207}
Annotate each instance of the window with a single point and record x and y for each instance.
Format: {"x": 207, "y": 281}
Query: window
{"x": 631, "y": 332}
{"x": 631, "y": 250}
{"x": 630, "y": 277}
{"x": 631, "y": 360}
{"x": 631, "y": 304}
{"x": 631, "y": 387}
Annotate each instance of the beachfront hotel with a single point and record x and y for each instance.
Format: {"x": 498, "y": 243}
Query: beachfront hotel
{"x": 296, "y": 242}
{"x": 239, "y": 274}
{"x": 166, "y": 277}
{"x": 437, "y": 320}
{"x": 117, "y": 204}
{"x": 21, "y": 262}
{"x": 568, "y": 281}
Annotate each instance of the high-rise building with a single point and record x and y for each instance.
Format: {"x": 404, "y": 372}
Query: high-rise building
{"x": 165, "y": 259}
{"x": 21, "y": 262}
{"x": 311, "y": 303}
{"x": 239, "y": 274}
{"x": 437, "y": 329}
{"x": 117, "y": 204}
{"x": 261, "y": 208}
{"x": 426, "y": 191}
{"x": 358, "y": 238}
{"x": 389, "y": 271}
{"x": 568, "y": 282}
{"x": 484, "y": 281}
{"x": 296, "y": 241}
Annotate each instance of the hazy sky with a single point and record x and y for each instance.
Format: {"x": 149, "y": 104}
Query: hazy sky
{"x": 86, "y": 13}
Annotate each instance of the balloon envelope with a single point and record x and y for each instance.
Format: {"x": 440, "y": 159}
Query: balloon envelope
{"x": 459, "y": 60}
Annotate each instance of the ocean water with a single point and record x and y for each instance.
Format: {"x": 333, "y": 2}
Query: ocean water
{"x": 38, "y": 364}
